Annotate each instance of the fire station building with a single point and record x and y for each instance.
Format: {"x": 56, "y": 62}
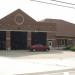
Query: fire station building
{"x": 18, "y": 31}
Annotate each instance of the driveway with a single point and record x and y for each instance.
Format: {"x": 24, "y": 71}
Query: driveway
{"x": 23, "y": 54}
{"x": 24, "y": 62}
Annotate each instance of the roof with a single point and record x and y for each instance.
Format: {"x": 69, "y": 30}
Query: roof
{"x": 18, "y": 11}
{"x": 63, "y": 28}
{"x": 17, "y": 20}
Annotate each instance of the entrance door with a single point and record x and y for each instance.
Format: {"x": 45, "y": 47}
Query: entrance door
{"x": 50, "y": 44}
{"x": 18, "y": 40}
{"x": 2, "y": 40}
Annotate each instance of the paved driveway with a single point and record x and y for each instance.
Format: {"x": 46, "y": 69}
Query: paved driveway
{"x": 37, "y": 55}
{"x": 22, "y": 62}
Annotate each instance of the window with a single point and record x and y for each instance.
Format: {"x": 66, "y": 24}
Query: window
{"x": 62, "y": 42}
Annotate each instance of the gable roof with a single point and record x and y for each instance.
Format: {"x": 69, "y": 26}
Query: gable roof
{"x": 17, "y": 20}
{"x": 55, "y": 21}
{"x": 63, "y": 28}
{"x": 18, "y": 11}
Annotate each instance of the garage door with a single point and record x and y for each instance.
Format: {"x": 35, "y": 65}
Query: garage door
{"x": 18, "y": 40}
{"x": 2, "y": 40}
{"x": 38, "y": 38}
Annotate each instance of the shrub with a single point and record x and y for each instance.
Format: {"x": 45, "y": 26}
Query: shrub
{"x": 67, "y": 48}
{"x": 72, "y": 48}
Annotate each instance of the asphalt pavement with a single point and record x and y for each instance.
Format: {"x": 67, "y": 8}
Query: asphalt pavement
{"x": 25, "y": 63}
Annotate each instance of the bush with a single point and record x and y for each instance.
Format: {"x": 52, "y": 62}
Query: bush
{"x": 67, "y": 48}
{"x": 72, "y": 48}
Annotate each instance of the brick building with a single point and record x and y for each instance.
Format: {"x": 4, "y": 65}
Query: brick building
{"x": 17, "y": 30}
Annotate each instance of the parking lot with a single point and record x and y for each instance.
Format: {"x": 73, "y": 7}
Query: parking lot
{"x": 22, "y": 62}
{"x": 20, "y": 54}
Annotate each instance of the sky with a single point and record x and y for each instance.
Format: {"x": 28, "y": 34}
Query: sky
{"x": 39, "y": 11}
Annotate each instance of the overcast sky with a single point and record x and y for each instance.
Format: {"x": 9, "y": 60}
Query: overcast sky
{"x": 39, "y": 10}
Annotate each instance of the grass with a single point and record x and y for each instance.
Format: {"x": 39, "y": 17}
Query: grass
{"x": 71, "y": 48}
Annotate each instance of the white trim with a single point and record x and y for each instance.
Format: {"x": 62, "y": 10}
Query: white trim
{"x": 47, "y": 39}
{"x": 29, "y": 30}
{"x": 69, "y": 39}
{"x": 64, "y": 38}
{"x": 42, "y": 31}
{"x": 50, "y": 39}
{"x": 61, "y": 38}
